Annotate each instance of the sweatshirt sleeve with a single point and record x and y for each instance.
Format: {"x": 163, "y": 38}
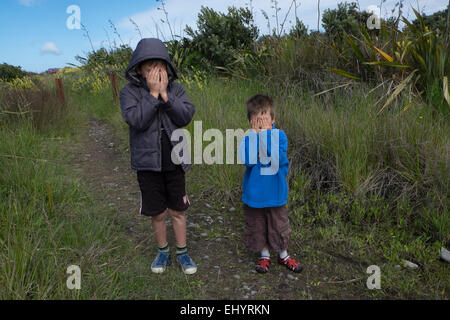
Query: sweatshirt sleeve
{"x": 248, "y": 150}
{"x": 138, "y": 113}
{"x": 274, "y": 140}
{"x": 179, "y": 108}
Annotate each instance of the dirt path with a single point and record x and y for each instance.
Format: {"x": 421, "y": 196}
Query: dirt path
{"x": 225, "y": 267}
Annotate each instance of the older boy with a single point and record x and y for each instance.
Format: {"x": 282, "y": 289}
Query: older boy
{"x": 153, "y": 106}
{"x": 265, "y": 190}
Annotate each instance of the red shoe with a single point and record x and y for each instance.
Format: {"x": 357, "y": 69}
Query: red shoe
{"x": 263, "y": 265}
{"x": 291, "y": 264}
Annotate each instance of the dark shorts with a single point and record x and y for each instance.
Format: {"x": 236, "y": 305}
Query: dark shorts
{"x": 266, "y": 226}
{"x": 162, "y": 190}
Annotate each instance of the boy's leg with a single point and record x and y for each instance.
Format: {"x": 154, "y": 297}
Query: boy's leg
{"x": 153, "y": 204}
{"x": 279, "y": 235}
{"x": 159, "y": 228}
{"x": 178, "y": 203}
{"x": 255, "y": 235}
{"x": 179, "y": 226}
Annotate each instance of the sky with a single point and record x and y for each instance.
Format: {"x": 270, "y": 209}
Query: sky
{"x": 42, "y": 34}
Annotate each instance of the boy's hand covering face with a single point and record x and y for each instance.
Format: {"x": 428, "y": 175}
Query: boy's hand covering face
{"x": 164, "y": 84}
{"x": 157, "y": 79}
{"x": 254, "y": 124}
{"x": 153, "y": 82}
{"x": 261, "y": 122}
{"x": 265, "y": 122}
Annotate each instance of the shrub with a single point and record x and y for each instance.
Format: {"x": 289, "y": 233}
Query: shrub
{"x": 218, "y": 34}
{"x": 9, "y": 72}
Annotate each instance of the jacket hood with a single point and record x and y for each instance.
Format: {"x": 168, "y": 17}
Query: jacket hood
{"x": 147, "y": 49}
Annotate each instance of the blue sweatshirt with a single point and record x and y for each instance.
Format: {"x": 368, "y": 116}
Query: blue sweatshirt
{"x": 265, "y": 182}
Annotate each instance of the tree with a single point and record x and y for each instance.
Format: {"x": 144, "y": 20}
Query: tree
{"x": 344, "y": 19}
{"x": 299, "y": 30}
{"x": 219, "y": 34}
{"x": 435, "y": 21}
{"x": 9, "y": 72}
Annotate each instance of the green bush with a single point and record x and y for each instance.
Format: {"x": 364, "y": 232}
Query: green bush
{"x": 218, "y": 34}
{"x": 9, "y": 72}
{"x": 344, "y": 19}
{"x": 115, "y": 59}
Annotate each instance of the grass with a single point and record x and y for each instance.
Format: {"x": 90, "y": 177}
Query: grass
{"x": 366, "y": 188}
{"x": 375, "y": 186}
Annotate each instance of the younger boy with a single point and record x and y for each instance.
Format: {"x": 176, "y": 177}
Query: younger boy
{"x": 264, "y": 152}
{"x": 153, "y": 106}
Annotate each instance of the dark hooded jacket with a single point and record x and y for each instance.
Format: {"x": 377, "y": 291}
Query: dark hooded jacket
{"x": 146, "y": 115}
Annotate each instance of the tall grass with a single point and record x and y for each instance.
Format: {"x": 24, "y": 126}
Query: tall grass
{"x": 48, "y": 220}
{"x": 340, "y": 145}
{"x": 375, "y": 185}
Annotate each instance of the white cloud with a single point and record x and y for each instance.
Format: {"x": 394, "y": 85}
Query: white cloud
{"x": 27, "y": 3}
{"x": 50, "y": 48}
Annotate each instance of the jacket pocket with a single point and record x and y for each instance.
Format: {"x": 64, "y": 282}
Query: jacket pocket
{"x": 145, "y": 158}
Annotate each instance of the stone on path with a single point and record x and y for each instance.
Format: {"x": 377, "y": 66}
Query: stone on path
{"x": 410, "y": 264}
{"x": 445, "y": 254}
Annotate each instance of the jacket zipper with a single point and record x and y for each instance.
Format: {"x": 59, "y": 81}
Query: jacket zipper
{"x": 159, "y": 140}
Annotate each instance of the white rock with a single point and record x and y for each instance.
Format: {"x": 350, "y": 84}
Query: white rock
{"x": 236, "y": 276}
{"x": 204, "y": 234}
{"x": 290, "y": 277}
{"x": 232, "y": 209}
{"x": 445, "y": 254}
{"x": 253, "y": 292}
{"x": 410, "y": 264}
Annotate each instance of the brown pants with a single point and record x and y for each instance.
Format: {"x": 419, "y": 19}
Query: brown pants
{"x": 266, "y": 226}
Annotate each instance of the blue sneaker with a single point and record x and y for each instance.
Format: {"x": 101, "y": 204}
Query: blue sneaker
{"x": 161, "y": 261}
{"x": 188, "y": 266}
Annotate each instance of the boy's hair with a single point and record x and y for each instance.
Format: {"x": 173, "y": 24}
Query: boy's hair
{"x": 139, "y": 66}
{"x": 260, "y": 103}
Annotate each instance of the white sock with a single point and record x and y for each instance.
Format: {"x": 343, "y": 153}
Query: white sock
{"x": 265, "y": 253}
{"x": 283, "y": 254}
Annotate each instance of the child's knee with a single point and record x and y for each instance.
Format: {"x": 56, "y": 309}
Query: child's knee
{"x": 160, "y": 217}
{"x": 177, "y": 214}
